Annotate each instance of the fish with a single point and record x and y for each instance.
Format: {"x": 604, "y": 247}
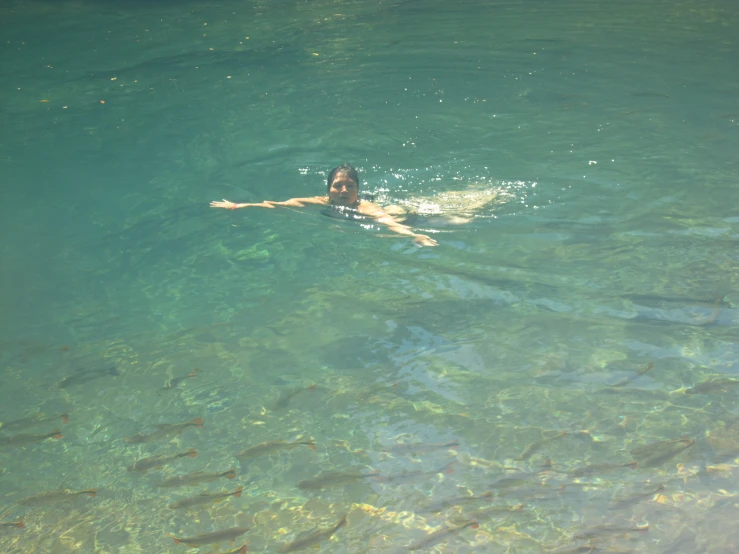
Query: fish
{"x": 419, "y": 448}
{"x": 31, "y": 421}
{"x": 569, "y": 549}
{"x": 416, "y": 475}
{"x": 626, "y": 501}
{"x": 595, "y": 469}
{"x": 16, "y": 524}
{"x": 520, "y": 478}
{"x": 204, "y": 498}
{"x": 511, "y": 481}
{"x": 30, "y": 349}
{"x": 582, "y": 485}
{"x": 145, "y": 464}
{"x": 210, "y": 538}
{"x": 164, "y": 430}
{"x": 647, "y": 450}
{"x": 20, "y": 440}
{"x": 608, "y": 529}
{"x": 658, "y": 301}
{"x": 375, "y": 390}
{"x": 534, "y": 446}
{"x": 652, "y": 455}
{"x": 49, "y": 497}
{"x": 285, "y": 398}
{"x": 627, "y": 380}
{"x": 333, "y": 479}
{"x": 441, "y": 534}
{"x": 196, "y": 478}
{"x": 238, "y": 550}
{"x": 444, "y": 503}
{"x": 534, "y": 493}
{"x": 486, "y": 512}
{"x": 85, "y": 376}
{"x": 715, "y": 312}
{"x": 175, "y": 382}
{"x": 712, "y": 385}
{"x": 271, "y": 447}
{"x": 313, "y": 538}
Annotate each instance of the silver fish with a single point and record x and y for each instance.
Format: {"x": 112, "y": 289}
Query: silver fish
{"x": 438, "y": 536}
{"x": 314, "y": 538}
{"x": 210, "y": 538}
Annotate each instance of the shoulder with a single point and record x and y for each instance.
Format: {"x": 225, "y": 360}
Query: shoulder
{"x": 370, "y": 208}
{"x": 314, "y": 200}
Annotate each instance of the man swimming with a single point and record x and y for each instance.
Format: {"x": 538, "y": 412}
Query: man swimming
{"x": 343, "y": 201}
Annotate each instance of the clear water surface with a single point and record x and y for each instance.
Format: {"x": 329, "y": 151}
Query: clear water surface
{"x": 537, "y": 353}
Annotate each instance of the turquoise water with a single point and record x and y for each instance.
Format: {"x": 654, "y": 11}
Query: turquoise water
{"x": 540, "y": 343}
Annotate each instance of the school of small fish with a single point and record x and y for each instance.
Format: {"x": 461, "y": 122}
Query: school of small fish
{"x": 504, "y": 483}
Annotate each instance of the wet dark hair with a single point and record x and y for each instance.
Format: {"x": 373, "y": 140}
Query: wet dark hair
{"x": 345, "y": 168}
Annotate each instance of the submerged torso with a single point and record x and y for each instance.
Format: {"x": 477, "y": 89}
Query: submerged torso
{"x": 347, "y": 213}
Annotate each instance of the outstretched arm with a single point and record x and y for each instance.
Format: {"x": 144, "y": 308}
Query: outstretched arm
{"x": 294, "y": 202}
{"x": 379, "y": 215}
{"x": 233, "y": 205}
{"x": 395, "y": 227}
{"x": 300, "y": 202}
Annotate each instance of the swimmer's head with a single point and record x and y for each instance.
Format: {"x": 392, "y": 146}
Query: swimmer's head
{"x": 343, "y": 186}
{"x": 345, "y": 170}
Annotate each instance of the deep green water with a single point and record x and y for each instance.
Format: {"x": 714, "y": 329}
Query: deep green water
{"x": 558, "y": 330}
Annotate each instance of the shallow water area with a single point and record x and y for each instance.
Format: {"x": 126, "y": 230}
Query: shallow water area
{"x": 560, "y": 369}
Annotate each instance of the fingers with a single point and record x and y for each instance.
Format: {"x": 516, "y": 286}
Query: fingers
{"x": 423, "y": 240}
{"x": 221, "y": 204}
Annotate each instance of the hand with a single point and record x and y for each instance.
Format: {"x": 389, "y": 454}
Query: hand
{"x": 225, "y": 204}
{"x": 424, "y": 240}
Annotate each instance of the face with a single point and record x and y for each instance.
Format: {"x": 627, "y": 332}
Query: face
{"x": 343, "y": 191}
